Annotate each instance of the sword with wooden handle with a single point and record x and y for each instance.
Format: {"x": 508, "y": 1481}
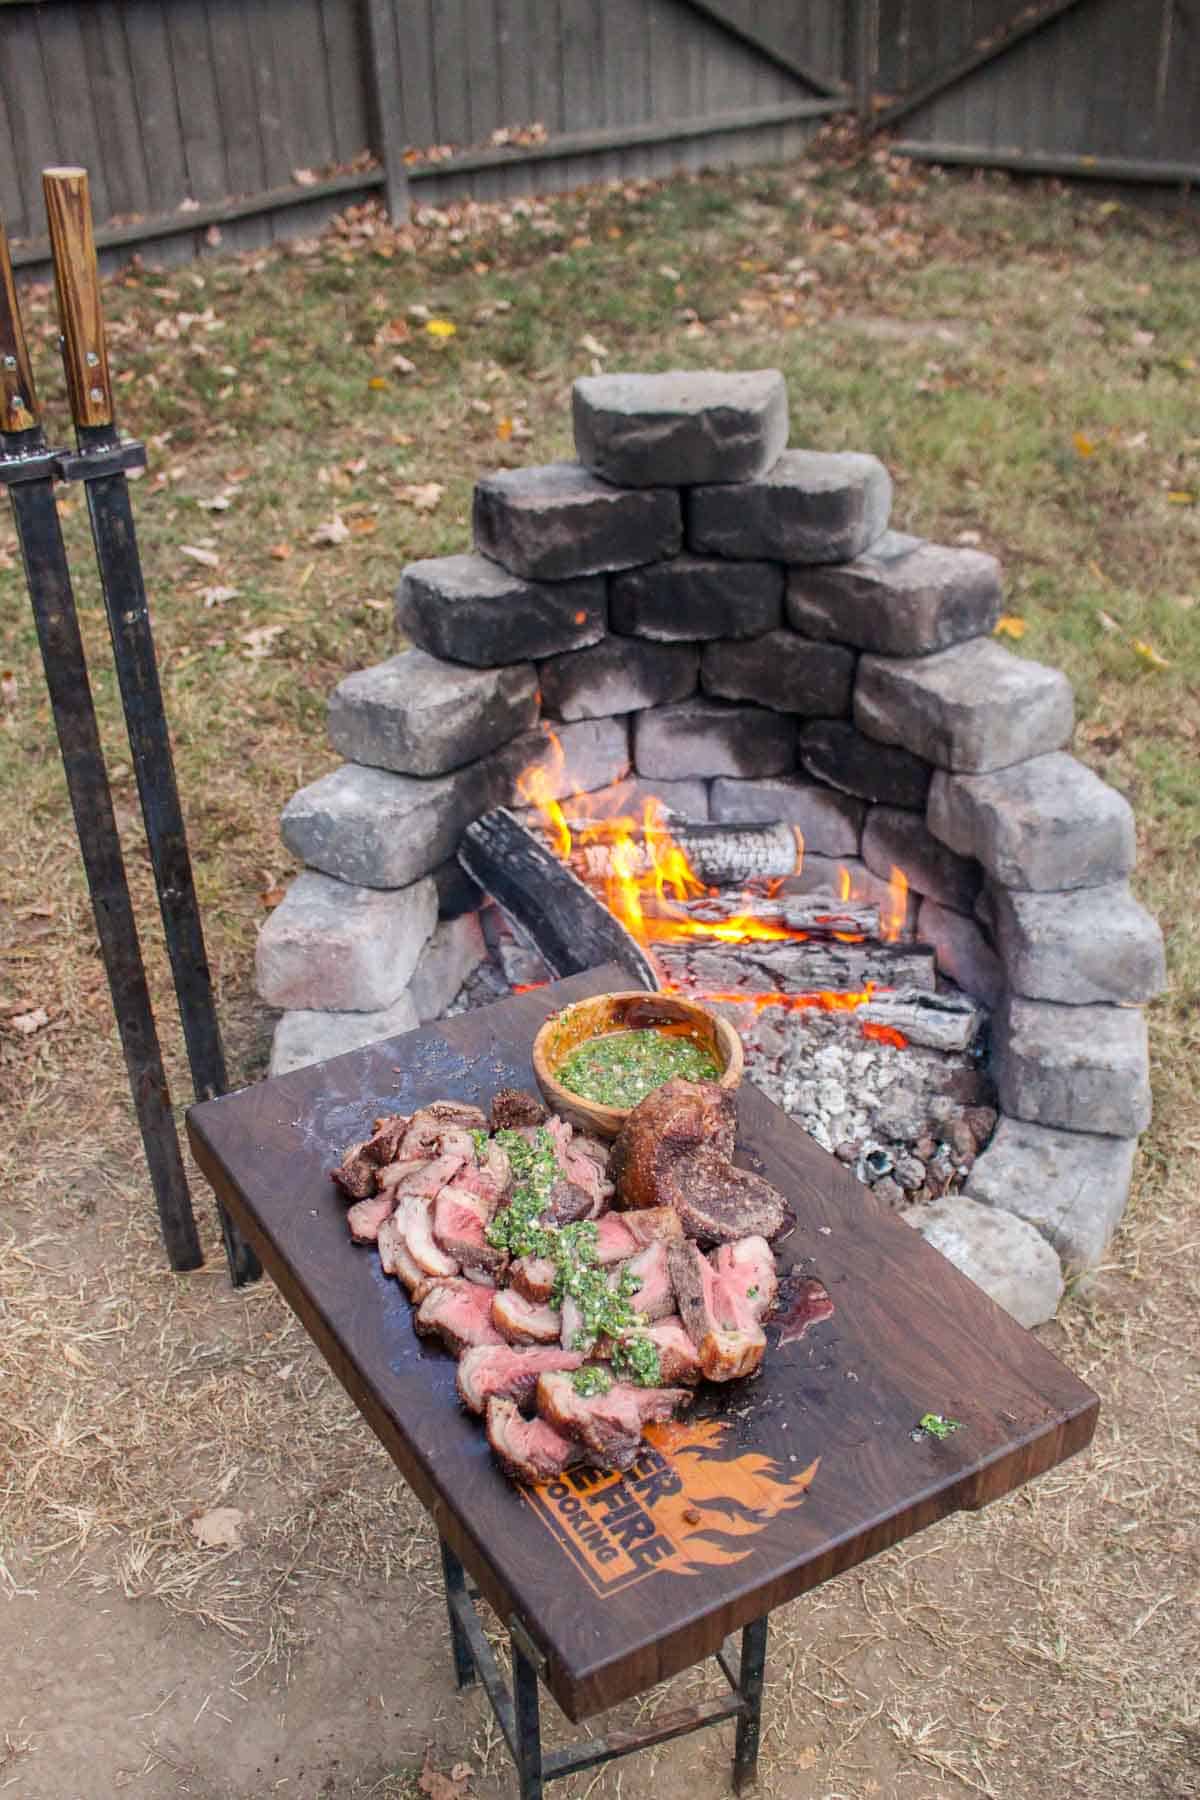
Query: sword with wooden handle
{"x": 27, "y": 468}
{"x": 101, "y": 464}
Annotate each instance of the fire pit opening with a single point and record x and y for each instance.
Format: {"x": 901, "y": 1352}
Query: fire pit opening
{"x": 691, "y": 705}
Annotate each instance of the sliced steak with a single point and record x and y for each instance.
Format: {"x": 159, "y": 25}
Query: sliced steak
{"x": 527, "y": 1449}
{"x": 460, "y": 1222}
{"x": 514, "y": 1107}
{"x": 729, "y": 1340}
{"x": 747, "y": 1267}
{"x": 534, "y": 1277}
{"x": 675, "y": 1119}
{"x": 460, "y": 1314}
{"x": 521, "y": 1322}
{"x": 416, "y": 1227}
{"x": 510, "y": 1374}
{"x": 366, "y": 1216}
{"x": 609, "y": 1426}
{"x": 655, "y": 1297}
{"x": 356, "y": 1173}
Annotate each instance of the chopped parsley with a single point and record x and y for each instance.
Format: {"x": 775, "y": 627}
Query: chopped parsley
{"x": 622, "y": 1067}
{"x": 593, "y": 1378}
{"x": 603, "y": 1305}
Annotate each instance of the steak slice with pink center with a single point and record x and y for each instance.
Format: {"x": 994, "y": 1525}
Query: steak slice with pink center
{"x": 528, "y": 1449}
{"x": 460, "y": 1314}
{"x": 508, "y": 1373}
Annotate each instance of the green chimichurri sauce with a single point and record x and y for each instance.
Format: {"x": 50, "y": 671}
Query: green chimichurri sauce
{"x": 623, "y": 1067}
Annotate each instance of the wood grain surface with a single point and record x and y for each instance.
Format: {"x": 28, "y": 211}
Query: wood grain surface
{"x": 18, "y": 398}
{"x": 624, "y": 1582}
{"x": 77, "y": 284}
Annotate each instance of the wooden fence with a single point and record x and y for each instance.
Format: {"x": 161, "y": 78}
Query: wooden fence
{"x": 254, "y": 119}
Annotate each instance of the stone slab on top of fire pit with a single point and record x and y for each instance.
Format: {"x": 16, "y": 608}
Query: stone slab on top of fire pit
{"x": 813, "y": 507}
{"x": 560, "y": 520}
{"x": 975, "y": 707}
{"x": 680, "y": 427}
{"x": 348, "y": 949}
{"x": 418, "y": 715}
{"x": 708, "y": 737}
{"x": 470, "y": 610}
{"x": 902, "y": 597}
{"x": 380, "y": 830}
{"x": 833, "y": 750}
{"x": 695, "y": 597}
{"x": 619, "y": 675}
{"x": 1049, "y": 823}
{"x": 791, "y": 674}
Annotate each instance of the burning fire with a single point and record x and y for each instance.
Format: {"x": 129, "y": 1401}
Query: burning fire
{"x": 648, "y": 882}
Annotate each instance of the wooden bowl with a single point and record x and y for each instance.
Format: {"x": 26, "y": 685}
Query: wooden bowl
{"x": 636, "y": 1011}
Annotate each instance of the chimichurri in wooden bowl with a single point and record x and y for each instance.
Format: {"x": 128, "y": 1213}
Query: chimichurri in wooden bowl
{"x": 596, "y": 1060}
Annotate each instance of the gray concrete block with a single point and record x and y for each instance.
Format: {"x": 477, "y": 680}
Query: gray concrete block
{"x": 680, "y": 427}
{"x": 813, "y": 507}
{"x": 829, "y": 823}
{"x": 1008, "y": 1259}
{"x": 834, "y": 751}
{"x": 579, "y": 758}
{"x": 1080, "y": 1068}
{"x": 455, "y": 949}
{"x": 696, "y": 597}
{"x": 1071, "y": 1186}
{"x": 381, "y": 830}
{"x": 975, "y": 707}
{"x": 302, "y": 1037}
{"x": 963, "y": 952}
{"x": 331, "y": 947}
{"x": 709, "y": 737}
{"x": 418, "y": 715}
{"x": 1048, "y": 823}
{"x": 470, "y": 610}
{"x": 901, "y": 597}
{"x": 620, "y": 675}
{"x": 780, "y": 670}
{"x": 1088, "y": 947}
{"x": 894, "y": 838}
{"x": 558, "y": 521}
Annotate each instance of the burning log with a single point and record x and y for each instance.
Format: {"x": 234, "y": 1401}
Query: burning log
{"x": 817, "y": 915}
{"x": 547, "y": 904}
{"x": 937, "y": 1021}
{"x": 791, "y": 967}
{"x": 718, "y": 855}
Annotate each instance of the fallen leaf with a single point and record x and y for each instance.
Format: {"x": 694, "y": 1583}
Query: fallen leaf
{"x": 1150, "y": 655}
{"x": 441, "y": 328}
{"x": 422, "y": 496}
{"x": 29, "y": 1022}
{"x": 280, "y": 552}
{"x": 333, "y": 531}
{"x": 209, "y": 558}
{"x": 1083, "y": 443}
{"x": 220, "y": 1528}
{"x": 1008, "y": 625}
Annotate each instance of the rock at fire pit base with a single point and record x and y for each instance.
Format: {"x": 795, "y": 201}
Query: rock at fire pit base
{"x": 590, "y": 754}
{"x": 975, "y": 707}
{"x": 1070, "y": 1185}
{"x": 417, "y": 715}
{"x": 1048, "y": 823}
{"x": 1092, "y": 946}
{"x": 332, "y": 947}
{"x": 381, "y": 830}
{"x": 302, "y": 1038}
{"x": 963, "y": 952}
{"x": 833, "y": 751}
{"x": 783, "y": 671}
{"x": 680, "y": 427}
{"x": 469, "y": 610}
{"x": 620, "y": 675}
{"x": 558, "y": 521}
{"x": 1000, "y": 1253}
{"x": 694, "y": 597}
{"x": 829, "y": 823}
{"x": 813, "y": 507}
{"x": 893, "y": 838}
{"x": 902, "y": 597}
{"x": 707, "y": 737}
{"x": 1080, "y": 1068}
{"x": 456, "y": 948}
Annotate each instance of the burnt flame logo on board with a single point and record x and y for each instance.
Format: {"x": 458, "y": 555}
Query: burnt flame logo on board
{"x": 686, "y": 1505}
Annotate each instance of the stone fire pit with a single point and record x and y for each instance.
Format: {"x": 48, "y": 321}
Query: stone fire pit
{"x": 702, "y": 614}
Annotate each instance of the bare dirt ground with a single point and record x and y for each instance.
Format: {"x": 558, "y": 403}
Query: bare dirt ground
{"x": 1035, "y": 390}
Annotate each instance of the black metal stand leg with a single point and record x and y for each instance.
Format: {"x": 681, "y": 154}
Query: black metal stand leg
{"x": 752, "y": 1667}
{"x": 455, "y": 1578}
{"x": 528, "y": 1747}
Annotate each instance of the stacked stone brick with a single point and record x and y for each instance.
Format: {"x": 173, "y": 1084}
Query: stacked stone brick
{"x": 732, "y": 625}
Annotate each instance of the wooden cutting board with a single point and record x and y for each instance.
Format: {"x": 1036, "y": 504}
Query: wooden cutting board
{"x": 769, "y": 1487}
